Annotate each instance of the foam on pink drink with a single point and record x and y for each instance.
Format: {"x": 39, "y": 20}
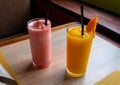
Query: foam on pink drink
{"x": 40, "y": 41}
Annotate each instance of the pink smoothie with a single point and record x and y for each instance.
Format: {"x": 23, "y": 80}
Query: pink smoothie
{"x": 40, "y": 41}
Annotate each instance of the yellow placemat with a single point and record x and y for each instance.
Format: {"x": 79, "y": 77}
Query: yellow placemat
{"x": 111, "y": 79}
{"x": 7, "y": 67}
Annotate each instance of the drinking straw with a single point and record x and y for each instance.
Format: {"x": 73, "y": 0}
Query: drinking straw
{"x": 47, "y": 12}
{"x": 82, "y": 20}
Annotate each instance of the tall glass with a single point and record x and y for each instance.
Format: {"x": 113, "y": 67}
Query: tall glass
{"x": 78, "y": 51}
{"x": 40, "y": 41}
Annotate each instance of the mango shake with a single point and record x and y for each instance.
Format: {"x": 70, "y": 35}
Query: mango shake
{"x": 78, "y": 50}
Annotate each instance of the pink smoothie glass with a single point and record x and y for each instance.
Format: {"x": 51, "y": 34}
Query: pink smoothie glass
{"x": 40, "y": 41}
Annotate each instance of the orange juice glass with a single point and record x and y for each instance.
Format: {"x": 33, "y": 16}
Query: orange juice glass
{"x": 78, "y": 51}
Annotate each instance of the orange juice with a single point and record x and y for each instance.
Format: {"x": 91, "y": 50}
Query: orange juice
{"x": 78, "y": 51}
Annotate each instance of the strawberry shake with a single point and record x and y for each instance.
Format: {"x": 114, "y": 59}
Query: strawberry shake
{"x": 40, "y": 42}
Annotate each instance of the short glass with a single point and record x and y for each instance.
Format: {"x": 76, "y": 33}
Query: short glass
{"x": 78, "y": 51}
{"x": 40, "y": 41}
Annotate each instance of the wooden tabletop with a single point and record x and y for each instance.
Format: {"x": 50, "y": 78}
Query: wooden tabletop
{"x": 104, "y": 59}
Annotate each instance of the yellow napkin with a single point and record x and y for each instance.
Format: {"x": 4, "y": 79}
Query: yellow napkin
{"x": 7, "y": 67}
{"x": 111, "y": 79}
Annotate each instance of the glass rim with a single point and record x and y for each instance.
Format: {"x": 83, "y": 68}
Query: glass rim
{"x": 35, "y": 19}
{"x": 78, "y": 25}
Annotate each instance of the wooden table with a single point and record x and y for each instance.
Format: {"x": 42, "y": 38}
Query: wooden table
{"x": 104, "y": 59}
